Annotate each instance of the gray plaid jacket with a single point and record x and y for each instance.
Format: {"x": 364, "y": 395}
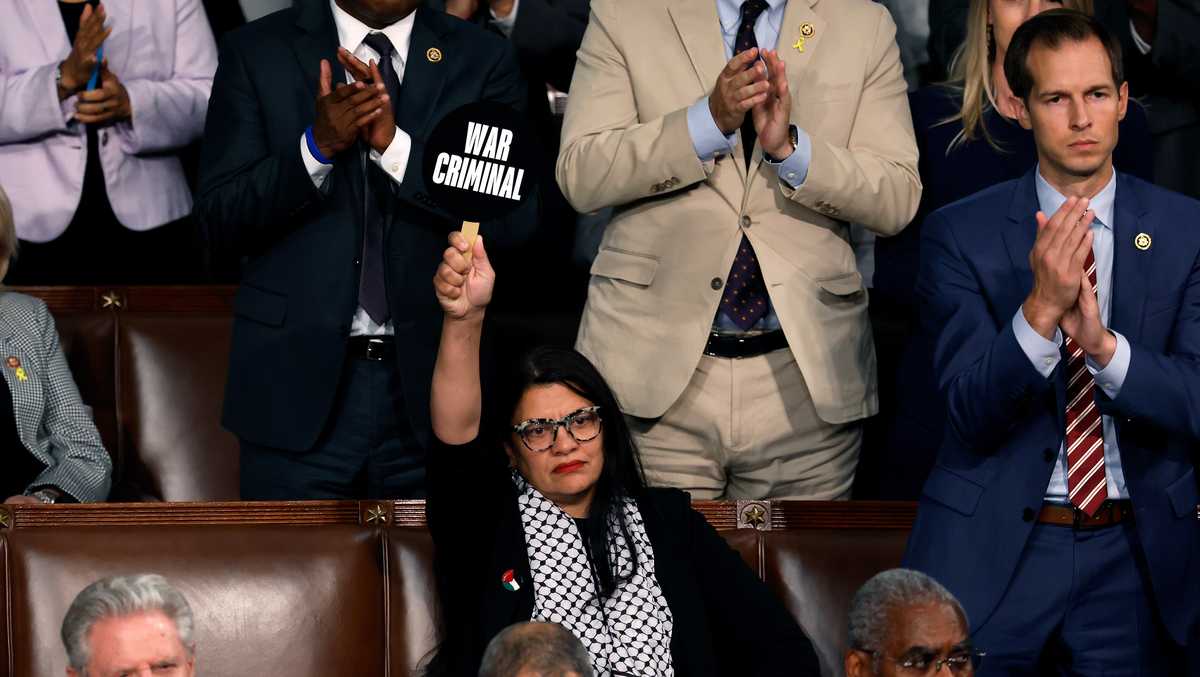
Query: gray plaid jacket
{"x": 52, "y": 421}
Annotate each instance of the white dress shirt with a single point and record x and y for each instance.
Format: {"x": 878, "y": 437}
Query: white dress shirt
{"x": 1045, "y": 355}
{"x": 394, "y": 159}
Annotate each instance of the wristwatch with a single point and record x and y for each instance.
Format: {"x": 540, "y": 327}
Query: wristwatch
{"x": 793, "y": 136}
{"x": 44, "y": 495}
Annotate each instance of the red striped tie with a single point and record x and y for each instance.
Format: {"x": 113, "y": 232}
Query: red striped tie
{"x": 1086, "y": 479}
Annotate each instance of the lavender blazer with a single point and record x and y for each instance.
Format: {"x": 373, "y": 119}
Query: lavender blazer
{"x": 164, "y": 54}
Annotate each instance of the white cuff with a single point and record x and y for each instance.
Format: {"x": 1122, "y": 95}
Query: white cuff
{"x": 1142, "y": 46}
{"x": 317, "y": 170}
{"x": 394, "y": 159}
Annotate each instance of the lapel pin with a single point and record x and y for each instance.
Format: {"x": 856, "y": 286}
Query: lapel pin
{"x": 807, "y": 30}
{"x": 1142, "y": 241}
{"x": 509, "y": 580}
{"x": 14, "y": 363}
{"x": 433, "y": 54}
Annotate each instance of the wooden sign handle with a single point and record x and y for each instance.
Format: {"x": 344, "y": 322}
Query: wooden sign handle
{"x": 470, "y": 231}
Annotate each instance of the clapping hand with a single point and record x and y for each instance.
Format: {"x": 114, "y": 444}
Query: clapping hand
{"x": 1062, "y": 244}
{"x": 382, "y": 128}
{"x": 772, "y": 116}
{"x": 1082, "y": 322}
{"x": 107, "y": 103}
{"x": 343, "y": 111}
{"x": 76, "y": 70}
{"x": 464, "y": 288}
{"x": 740, "y": 86}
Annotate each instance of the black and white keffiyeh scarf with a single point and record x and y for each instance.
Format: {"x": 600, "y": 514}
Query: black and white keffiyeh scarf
{"x": 628, "y": 633}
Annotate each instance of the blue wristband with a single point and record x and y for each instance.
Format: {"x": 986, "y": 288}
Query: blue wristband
{"x": 312, "y": 147}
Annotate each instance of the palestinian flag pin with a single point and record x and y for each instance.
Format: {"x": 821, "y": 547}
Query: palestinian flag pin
{"x": 509, "y": 581}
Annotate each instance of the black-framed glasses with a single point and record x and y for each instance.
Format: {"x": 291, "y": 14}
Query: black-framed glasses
{"x": 961, "y": 663}
{"x": 539, "y": 434}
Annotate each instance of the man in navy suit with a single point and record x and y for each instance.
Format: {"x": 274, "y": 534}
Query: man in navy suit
{"x": 313, "y": 175}
{"x": 1062, "y": 511}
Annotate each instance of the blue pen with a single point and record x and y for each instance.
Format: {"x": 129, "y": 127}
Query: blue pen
{"x": 95, "y": 79}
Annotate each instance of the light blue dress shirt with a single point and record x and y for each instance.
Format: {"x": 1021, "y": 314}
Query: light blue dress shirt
{"x": 708, "y": 140}
{"x": 1045, "y": 355}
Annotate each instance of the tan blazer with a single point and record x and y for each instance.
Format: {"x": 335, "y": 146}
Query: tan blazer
{"x": 663, "y": 261}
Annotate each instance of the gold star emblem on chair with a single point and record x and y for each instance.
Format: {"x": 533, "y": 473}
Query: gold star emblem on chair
{"x": 755, "y": 516}
{"x": 377, "y": 514}
{"x": 111, "y": 299}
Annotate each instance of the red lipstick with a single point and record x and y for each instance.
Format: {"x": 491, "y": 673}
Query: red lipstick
{"x": 568, "y": 467}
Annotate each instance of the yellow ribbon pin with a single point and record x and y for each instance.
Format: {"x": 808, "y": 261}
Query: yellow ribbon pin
{"x": 799, "y": 45}
{"x": 14, "y": 363}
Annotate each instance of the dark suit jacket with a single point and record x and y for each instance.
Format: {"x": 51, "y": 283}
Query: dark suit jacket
{"x": 477, "y": 533}
{"x": 300, "y": 287}
{"x": 1005, "y": 422}
{"x": 1167, "y": 81}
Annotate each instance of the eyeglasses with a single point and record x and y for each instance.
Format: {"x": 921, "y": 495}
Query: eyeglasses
{"x": 960, "y": 662}
{"x": 539, "y": 434}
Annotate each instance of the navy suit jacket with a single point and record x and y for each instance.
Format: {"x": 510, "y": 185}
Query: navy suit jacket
{"x": 1005, "y": 421}
{"x": 302, "y": 245}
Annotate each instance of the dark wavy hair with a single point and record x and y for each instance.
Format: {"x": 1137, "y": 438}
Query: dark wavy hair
{"x": 1051, "y": 29}
{"x": 622, "y": 476}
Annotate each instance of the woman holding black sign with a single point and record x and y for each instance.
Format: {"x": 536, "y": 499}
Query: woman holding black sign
{"x": 563, "y": 527}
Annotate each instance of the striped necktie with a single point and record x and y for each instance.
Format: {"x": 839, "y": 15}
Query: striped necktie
{"x": 1087, "y": 483}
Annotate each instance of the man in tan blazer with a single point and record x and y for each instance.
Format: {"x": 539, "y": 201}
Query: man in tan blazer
{"x": 724, "y": 305}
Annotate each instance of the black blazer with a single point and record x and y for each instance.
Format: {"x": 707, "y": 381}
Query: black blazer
{"x": 726, "y": 621}
{"x": 300, "y": 283}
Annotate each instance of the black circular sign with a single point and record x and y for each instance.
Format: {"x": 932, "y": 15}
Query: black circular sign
{"x": 481, "y": 161}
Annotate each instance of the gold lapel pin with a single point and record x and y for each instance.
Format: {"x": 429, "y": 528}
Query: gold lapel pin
{"x": 433, "y": 54}
{"x": 14, "y": 363}
{"x": 807, "y": 30}
{"x": 1142, "y": 241}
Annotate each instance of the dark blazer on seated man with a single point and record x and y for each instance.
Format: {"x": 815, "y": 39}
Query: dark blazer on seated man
{"x": 335, "y": 327}
{"x": 1062, "y": 511}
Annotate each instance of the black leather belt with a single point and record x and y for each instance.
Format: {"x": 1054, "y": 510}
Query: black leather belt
{"x": 377, "y": 348}
{"x": 734, "y": 346}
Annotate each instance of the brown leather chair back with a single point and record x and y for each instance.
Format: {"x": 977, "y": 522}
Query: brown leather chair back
{"x": 88, "y": 341}
{"x": 5, "y": 663}
{"x": 269, "y": 601}
{"x": 412, "y": 599}
{"x": 816, "y": 572}
{"x": 171, "y": 381}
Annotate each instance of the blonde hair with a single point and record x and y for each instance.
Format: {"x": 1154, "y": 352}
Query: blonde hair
{"x": 8, "y": 230}
{"x": 971, "y": 72}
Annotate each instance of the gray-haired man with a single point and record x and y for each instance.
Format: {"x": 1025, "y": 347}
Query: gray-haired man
{"x": 535, "y": 650}
{"x": 129, "y": 626}
{"x": 902, "y": 622}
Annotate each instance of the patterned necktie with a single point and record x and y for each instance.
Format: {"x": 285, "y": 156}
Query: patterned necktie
{"x": 745, "y": 39}
{"x": 745, "y": 298}
{"x": 372, "y": 290}
{"x": 1086, "y": 479}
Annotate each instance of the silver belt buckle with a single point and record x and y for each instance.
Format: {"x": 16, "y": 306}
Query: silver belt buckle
{"x": 376, "y": 349}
